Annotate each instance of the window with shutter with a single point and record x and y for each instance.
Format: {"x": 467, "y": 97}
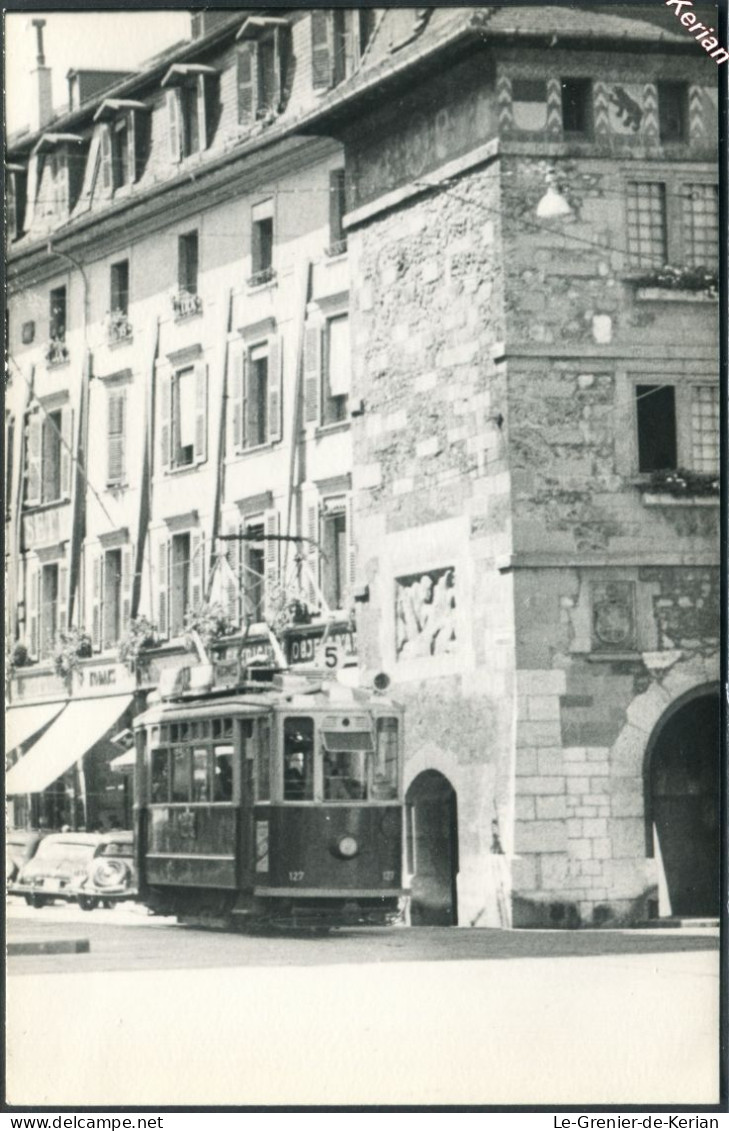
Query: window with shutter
{"x": 121, "y": 166}
{"x": 49, "y": 607}
{"x": 163, "y": 607}
{"x": 254, "y": 570}
{"x": 173, "y": 124}
{"x": 116, "y": 405}
{"x": 112, "y": 601}
{"x": 336, "y": 371}
{"x": 334, "y": 567}
{"x": 106, "y": 179}
{"x": 33, "y": 609}
{"x": 312, "y": 372}
{"x": 201, "y": 412}
{"x": 126, "y": 604}
{"x": 232, "y": 576}
{"x": 311, "y": 556}
{"x": 235, "y": 397}
{"x": 247, "y": 80}
{"x": 66, "y": 452}
{"x": 62, "y": 597}
{"x": 271, "y": 551}
{"x": 322, "y": 49}
{"x": 96, "y": 600}
{"x": 256, "y": 402}
{"x": 164, "y": 387}
{"x": 337, "y": 209}
{"x": 51, "y": 457}
{"x": 34, "y": 439}
{"x": 197, "y": 570}
{"x": 275, "y": 389}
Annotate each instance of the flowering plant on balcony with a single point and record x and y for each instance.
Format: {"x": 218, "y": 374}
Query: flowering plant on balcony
{"x": 140, "y": 635}
{"x": 57, "y": 351}
{"x": 185, "y": 304}
{"x": 71, "y": 645}
{"x": 684, "y": 483}
{"x": 210, "y": 622}
{"x": 16, "y": 656}
{"x": 669, "y": 278}
{"x": 119, "y": 328}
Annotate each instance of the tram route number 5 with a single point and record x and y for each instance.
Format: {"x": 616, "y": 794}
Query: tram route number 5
{"x": 296, "y": 877}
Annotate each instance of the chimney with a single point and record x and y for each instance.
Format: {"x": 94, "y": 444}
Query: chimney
{"x": 41, "y": 109}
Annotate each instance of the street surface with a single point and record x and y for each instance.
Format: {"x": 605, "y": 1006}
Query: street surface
{"x": 160, "y": 1015}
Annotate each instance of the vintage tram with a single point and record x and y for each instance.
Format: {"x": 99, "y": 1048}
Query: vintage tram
{"x": 275, "y": 802}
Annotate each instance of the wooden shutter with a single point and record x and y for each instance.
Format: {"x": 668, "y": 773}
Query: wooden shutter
{"x": 97, "y": 585}
{"x": 237, "y": 365}
{"x": 142, "y": 132}
{"x": 91, "y": 170}
{"x": 163, "y": 587}
{"x": 311, "y": 551}
{"x": 62, "y": 596}
{"x": 246, "y": 414}
{"x": 126, "y": 587}
{"x": 105, "y": 170}
{"x": 196, "y": 569}
{"x": 164, "y": 379}
{"x": 60, "y": 186}
{"x": 247, "y": 65}
{"x": 116, "y": 435}
{"x": 351, "y": 554}
{"x": 33, "y": 460}
{"x": 322, "y": 49}
{"x": 232, "y": 587}
{"x": 202, "y": 113}
{"x": 271, "y": 574}
{"x": 66, "y": 450}
{"x": 33, "y": 583}
{"x": 275, "y": 388}
{"x": 283, "y": 56}
{"x": 173, "y": 124}
{"x": 201, "y": 411}
{"x": 132, "y": 146}
{"x": 312, "y": 372}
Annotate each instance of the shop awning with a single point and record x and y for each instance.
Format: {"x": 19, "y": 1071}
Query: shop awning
{"x": 21, "y": 723}
{"x": 74, "y": 732}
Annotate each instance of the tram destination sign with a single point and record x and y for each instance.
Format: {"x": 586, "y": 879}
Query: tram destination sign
{"x": 321, "y": 650}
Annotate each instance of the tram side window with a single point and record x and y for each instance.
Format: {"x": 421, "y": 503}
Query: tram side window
{"x": 298, "y": 759}
{"x": 180, "y": 773}
{"x": 160, "y": 784}
{"x": 223, "y": 777}
{"x": 263, "y": 761}
{"x": 384, "y": 787}
{"x": 201, "y": 774}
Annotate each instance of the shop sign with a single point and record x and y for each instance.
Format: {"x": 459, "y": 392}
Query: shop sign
{"x": 102, "y": 679}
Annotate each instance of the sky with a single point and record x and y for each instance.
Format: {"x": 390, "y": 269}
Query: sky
{"x": 94, "y": 40}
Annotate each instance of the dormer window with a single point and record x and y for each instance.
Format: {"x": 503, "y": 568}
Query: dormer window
{"x": 59, "y": 164}
{"x": 123, "y": 141}
{"x": 338, "y": 40}
{"x": 191, "y": 106}
{"x": 263, "y": 65}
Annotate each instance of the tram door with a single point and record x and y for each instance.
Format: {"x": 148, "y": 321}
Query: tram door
{"x": 433, "y": 850}
{"x": 683, "y": 780}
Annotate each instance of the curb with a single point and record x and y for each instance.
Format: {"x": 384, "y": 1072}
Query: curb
{"x": 49, "y": 946}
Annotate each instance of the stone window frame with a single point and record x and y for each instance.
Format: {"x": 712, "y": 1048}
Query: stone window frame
{"x": 683, "y": 386}
{"x": 678, "y": 228}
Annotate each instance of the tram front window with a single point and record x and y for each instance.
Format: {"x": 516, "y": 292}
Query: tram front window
{"x": 345, "y": 775}
{"x": 160, "y": 776}
{"x": 298, "y": 750}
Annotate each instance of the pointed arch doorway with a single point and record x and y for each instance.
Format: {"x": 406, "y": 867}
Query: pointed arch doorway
{"x": 682, "y": 784}
{"x": 433, "y": 850}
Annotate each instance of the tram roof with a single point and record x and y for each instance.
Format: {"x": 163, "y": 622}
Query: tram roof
{"x": 327, "y": 696}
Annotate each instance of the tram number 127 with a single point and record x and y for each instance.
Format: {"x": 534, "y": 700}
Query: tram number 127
{"x": 296, "y": 877}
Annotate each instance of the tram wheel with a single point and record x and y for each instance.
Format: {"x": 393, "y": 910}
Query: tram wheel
{"x": 36, "y": 901}
{"x": 87, "y": 902}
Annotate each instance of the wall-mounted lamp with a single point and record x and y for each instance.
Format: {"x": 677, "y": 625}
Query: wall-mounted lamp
{"x": 553, "y": 205}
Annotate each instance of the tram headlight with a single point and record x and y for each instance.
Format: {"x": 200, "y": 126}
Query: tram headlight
{"x": 347, "y": 847}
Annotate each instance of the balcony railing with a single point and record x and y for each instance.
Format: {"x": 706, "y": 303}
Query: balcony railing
{"x": 56, "y": 351}
{"x": 118, "y": 328}
{"x": 259, "y": 278}
{"x": 185, "y": 304}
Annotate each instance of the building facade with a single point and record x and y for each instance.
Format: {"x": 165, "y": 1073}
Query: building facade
{"x": 395, "y": 332}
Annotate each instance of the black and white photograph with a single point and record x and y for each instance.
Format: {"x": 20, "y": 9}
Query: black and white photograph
{"x": 363, "y": 576}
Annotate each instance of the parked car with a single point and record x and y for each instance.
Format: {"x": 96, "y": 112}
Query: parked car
{"x": 65, "y": 862}
{"x": 111, "y": 876}
{"x": 20, "y": 846}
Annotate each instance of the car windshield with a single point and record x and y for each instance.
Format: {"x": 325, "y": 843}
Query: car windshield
{"x": 64, "y": 850}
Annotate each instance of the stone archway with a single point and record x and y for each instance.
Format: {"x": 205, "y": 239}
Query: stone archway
{"x": 432, "y": 814}
{"x": 682, "y": 801}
